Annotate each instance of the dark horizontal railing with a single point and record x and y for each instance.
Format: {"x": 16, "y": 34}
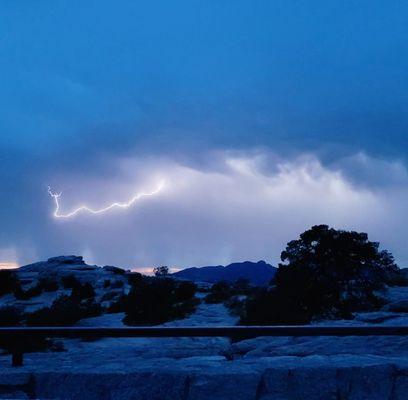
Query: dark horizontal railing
{"x": 17, "y": 335}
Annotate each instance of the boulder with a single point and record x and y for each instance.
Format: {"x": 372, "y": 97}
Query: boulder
{"x": 115, "y": 270}
{"x": 60, "y": 260}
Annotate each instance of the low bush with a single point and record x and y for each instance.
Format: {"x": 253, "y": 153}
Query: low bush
{"x": 65, "y": 311}
{"x": 108, "y": 296}
{"x": 135, "y": 278}
{"x": 21, "y": 294}
{"x": 266, "y": 306}
{"x": 70, "y": 281}
{"x": 158, "y": 300}
{"x": 118, "y": 305}
{"x": 223, "y": 292}
{"x": 242, "y": 286}
{"x": 117, "y": 284}
{"x": 235, "y": 305}
{"x": 48, "y": 284}
{"x": 397, "y": 278}
{"x": 185, "y": 291}
{"x": 12, "y": 316}
{"x": 219, "y": 292}
{"x": 83, "y": 291}
{"x": 43, "y": 285}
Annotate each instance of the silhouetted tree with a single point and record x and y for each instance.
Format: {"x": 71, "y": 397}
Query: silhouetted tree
{"x": 325, "y": 273}
{"x": 161, "y": 271}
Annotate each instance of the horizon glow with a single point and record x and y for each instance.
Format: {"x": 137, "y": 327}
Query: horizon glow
{"x": 124, "y": 205}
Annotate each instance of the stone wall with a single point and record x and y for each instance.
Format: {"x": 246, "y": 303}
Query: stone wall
{"x": 386, "y": 381}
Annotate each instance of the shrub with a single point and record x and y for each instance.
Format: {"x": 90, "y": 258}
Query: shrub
{"x": 65, "y": 311}
{"x": 83, "y": 291}
{"x": 48, "y": 284}
{"x": 266, "y": 306}
{"x": 397, "y": 278}
{"x": 185, "y": 291}
{"x": 117, "y": 284}
{"x": 184, "y": 308}
{"x": 108, "y": 296}
{"x": 90, "y": 308}
{"x": 8, "y": 281}
{"x": 235, "y": 305}
{"x": 43, "y": 285}
{"x": 106, "y": 283}
{"x": 135, "y": 278}
{"x": 70, "y": 281}
{"x": 219, "y": 292}
{"x": 326, "y": 273}
{"x": 242, "y": 287}
{"x": 155, "y": 301}
{"x": 21, "y": 294}
{"x": 118, "y": 305}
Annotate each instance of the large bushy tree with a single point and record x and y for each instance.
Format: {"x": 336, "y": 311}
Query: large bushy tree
{"x": 325, "y": 273}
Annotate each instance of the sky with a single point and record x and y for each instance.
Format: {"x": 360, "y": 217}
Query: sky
{"x": 260, "y": 118}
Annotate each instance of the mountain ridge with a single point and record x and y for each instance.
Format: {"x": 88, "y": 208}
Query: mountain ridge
{"x": 258, "y": 273}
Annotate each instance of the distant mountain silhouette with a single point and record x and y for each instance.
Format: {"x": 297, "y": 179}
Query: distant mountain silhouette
{"x": 259, "y": 273}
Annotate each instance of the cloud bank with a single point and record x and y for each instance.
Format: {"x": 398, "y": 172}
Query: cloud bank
{"x": 235, "y": 206}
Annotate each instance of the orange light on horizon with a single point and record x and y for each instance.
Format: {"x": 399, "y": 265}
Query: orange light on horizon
{"x": 8, "y": 265}
{"x": 149, "y": 270}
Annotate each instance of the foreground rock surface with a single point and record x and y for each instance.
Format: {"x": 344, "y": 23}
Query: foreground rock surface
{"x": 321, "y": 368}
{"x": 264, "y": 368}
{"x": 195, "y": 378}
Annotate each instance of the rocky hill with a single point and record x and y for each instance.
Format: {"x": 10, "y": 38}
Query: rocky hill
{"x": 258, "y": 274}
{"x": 41, "y": 283}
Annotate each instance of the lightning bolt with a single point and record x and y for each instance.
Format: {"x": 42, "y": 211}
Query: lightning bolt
{"x": 135, "y": 198}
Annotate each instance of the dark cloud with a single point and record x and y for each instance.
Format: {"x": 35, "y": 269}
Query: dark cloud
{"x": 181, "y": 88}
{"x": 245, "y": 205}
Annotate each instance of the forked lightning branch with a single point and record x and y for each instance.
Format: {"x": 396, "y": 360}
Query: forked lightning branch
{"x": 86, "y": 209}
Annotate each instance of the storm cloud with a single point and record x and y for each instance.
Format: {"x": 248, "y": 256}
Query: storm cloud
{"x": 263, "y": 118}
{"x": 241, "y": 205}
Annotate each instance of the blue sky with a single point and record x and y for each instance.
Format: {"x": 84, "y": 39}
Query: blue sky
{"x": 88, "y": 87}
